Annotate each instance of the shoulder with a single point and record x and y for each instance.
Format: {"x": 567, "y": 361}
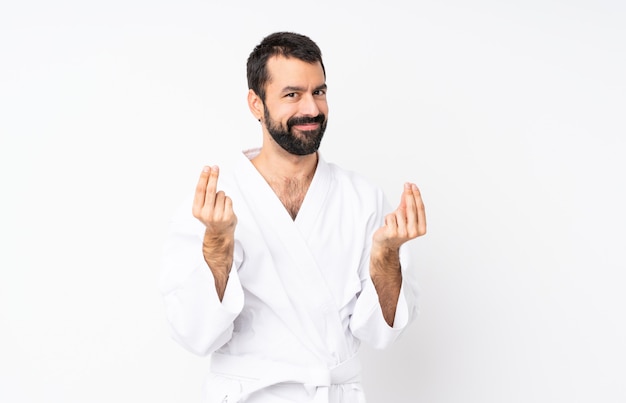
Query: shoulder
{"x": 353, "y": 178}
{"x": 351, "y": 183}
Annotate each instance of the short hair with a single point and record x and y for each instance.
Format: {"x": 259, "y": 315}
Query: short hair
{"x": 287, "y": 44}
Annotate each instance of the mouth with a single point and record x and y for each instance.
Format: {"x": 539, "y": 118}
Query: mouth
{"x": 306, "y": 123}
{"x": 307, "y": 127}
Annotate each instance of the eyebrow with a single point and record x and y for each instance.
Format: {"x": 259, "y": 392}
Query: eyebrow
{"x": 290, "y": 88}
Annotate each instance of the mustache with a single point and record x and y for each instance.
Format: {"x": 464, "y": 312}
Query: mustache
{"x": 302, "y": 120}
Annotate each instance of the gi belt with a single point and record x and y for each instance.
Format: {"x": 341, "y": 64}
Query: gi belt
{"x": 260, "y": 373}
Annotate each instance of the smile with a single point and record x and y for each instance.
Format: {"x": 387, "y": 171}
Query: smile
{"x": 307, "y": 126}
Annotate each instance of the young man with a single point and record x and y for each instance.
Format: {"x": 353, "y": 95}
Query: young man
{"x": 289, "y": 262}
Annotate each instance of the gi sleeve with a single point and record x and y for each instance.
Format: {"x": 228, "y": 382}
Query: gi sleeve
{"x": 367, "y": 322}
{"x": 198, "y": 320}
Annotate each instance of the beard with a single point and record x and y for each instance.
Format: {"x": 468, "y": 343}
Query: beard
{"x": 306, "y": 142}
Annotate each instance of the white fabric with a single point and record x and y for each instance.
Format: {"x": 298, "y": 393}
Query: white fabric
{"x": 260, "y": 374}
{"x": 299, "y": 293}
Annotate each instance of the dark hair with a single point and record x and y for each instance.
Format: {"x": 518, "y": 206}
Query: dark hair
{"x": 287, "y": 44}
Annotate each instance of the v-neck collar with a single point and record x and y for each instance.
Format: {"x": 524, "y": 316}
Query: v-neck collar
{"x": 313, "y": 199}
{"x": 308, "y": 313}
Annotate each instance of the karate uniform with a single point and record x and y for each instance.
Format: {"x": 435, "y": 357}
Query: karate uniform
{"x": 299, "y": 298}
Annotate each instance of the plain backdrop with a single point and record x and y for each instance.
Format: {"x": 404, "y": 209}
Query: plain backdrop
{"x": 509, "y": 115}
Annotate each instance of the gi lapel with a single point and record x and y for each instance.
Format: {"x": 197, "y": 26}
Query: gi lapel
{"x": 315, "y": 199}
{"x": 313, "y": 315}
{"x": 312, "y": 210}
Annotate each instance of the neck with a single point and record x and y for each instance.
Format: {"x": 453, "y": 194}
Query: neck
{"x": 284, "y": 166}
{"x": 288, "y": 176}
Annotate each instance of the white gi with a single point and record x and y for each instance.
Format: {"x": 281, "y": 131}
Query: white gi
{"x": 299, "y": 298}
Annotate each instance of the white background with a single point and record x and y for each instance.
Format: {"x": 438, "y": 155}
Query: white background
{"x": 508, "y": 115}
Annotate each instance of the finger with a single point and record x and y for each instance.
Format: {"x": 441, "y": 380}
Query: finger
{"x": 400, "y": 215}
{"x": 421, "y": 210}
{"x": 229, "y": 213}
{"x": 391, "y": 223}
{"x": 411, "y": 213}
{"x": 198, "y": 198}
{"x": 407, "y": 189}
{"x": 218, "y": 209}
{"x": 209, "y": 196}
{"x": 228, "y": 208}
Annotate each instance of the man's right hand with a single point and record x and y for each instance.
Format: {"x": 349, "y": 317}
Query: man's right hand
{"x": 215, "y": 210}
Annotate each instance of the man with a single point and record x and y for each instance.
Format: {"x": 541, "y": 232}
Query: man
{"x": 289, "y": 262}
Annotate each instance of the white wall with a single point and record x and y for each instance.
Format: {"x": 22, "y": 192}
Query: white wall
{"x": 509, "y": 115}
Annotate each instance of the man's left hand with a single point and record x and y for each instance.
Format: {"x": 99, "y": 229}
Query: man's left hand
{"x": 407, "y": 222}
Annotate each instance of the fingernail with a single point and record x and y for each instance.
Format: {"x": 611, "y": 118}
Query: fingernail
{"x": 206, "y": 169}
{"x": 414, "y": 187}
{"x": 407, "y": 185}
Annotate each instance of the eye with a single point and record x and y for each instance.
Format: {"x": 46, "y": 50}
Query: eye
{"x": 291, "y": 95}
{"x": 319, "y": 92}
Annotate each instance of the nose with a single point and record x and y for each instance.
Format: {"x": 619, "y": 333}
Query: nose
{"x": 308, "y": 106}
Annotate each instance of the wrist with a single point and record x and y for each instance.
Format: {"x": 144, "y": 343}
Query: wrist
{"x": 218, "y": 253}
{"x": 385, "y": 261}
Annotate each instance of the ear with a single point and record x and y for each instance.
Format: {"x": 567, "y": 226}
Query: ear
{"x": 255, "y": 104}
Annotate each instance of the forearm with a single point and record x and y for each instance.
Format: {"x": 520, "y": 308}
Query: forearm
{"x": 218, "y": 254}
{"x": 387, "y": 278}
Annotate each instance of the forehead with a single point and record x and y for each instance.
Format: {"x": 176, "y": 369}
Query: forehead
{"x": 285, "y": 71}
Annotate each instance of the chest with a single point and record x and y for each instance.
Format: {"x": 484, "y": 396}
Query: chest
{"x": 291, "y": 193}
{"x": 274, "y": 254}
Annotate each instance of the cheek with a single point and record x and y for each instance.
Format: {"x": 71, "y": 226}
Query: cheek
{"x": 323, "y": 107}
{"x": 283, "y": 114}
